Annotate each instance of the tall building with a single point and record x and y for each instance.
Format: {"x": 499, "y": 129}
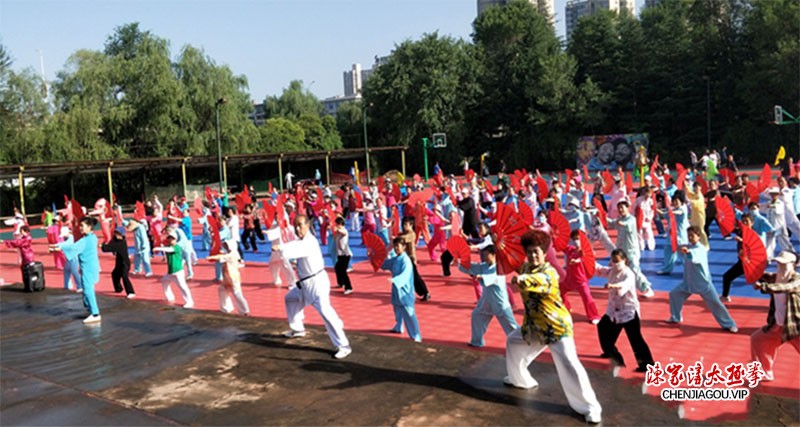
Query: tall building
{"x": 576, "y": 9}
{"x": 546, "y": 7}
{"x": 352, "y": 81}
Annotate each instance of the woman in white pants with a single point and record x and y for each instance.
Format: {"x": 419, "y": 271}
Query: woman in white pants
{"x": 547, "y": 324}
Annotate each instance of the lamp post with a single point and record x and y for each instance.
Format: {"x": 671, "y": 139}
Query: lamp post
{"x": 366, "y": 143}
{"x": 219, "y": 102}
{"x": 708, "y": 110}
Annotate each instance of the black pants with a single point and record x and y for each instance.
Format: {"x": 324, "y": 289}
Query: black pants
{"x": 707, "y": 226}
{"x": 259, "y": 232}
{"x": 249, "y": 233}
{"x": 342, "y": 279}
{"x": 446, "y": 258}
{"x": 735, "y": 271}
{"x": 608, "y": 332}
{"x": 120, "y": 274}
{"x": 419, "y": 285}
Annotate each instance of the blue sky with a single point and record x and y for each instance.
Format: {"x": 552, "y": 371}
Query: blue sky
{"x": 271, "y": 42}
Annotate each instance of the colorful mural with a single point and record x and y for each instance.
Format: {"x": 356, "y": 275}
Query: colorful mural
{"x": 601, "y": 152}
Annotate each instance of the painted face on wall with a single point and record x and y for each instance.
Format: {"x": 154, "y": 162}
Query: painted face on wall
{"x": 605, "y": 153}
{"x": 585, "y": 150}
{"x": 622, "y": 154}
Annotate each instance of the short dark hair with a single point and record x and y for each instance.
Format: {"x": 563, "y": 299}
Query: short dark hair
{"x": 536, "y": 238}
{"x": 491, "y": 249}
{"x": 25, "y": 228}
{"x": 623, "y": 202}
{"x": 694, "y": 230}
{"x": 399, "y": 240}
{"x": 620, "y": 253}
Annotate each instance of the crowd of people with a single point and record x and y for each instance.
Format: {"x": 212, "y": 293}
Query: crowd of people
{"x": 300, "y": 221}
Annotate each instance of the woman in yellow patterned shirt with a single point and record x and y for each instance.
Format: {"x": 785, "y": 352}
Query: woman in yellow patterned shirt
{"x": 547, "y": 323}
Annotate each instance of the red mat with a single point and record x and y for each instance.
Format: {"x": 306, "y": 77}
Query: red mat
{"x": 445, "y": 319}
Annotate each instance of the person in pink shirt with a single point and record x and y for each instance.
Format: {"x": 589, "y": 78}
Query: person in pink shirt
{"x": 577, "y": 280}
{"x": 24, "y": 244}
{"x": 438, "y": 239}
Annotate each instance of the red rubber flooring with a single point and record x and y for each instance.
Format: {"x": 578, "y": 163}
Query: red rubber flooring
{"x": 445, "y": 319}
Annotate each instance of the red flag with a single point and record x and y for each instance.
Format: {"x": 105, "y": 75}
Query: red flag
{"x": 570, "y": 174}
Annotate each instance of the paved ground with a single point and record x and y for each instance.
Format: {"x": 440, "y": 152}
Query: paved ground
{"x": 149, "y": 364}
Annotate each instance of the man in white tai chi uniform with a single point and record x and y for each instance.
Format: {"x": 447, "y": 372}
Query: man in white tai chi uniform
{"x": 313, "y": 288}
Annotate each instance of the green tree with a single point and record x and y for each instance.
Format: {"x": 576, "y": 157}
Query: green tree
{"x": 425, "y": 87}
{"x": 294, "y": 102}
{"x": 349, "y": 124}
{"x": 23, "y": 112}
{"x": 279, "y": 134}
{"x": 532, "y": 106}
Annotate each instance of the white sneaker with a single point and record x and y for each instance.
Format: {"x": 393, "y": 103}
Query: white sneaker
{"x": 131, "y": 296}
{"x": 350, "y": 269}
{"x": 649, "y": 293}
{"x": 593, "y": 419}
{"x": 343, "y": 352}
{"x": 148, "y": 275}
{"x": 80, "y": 291}
{"x": 92, "y": 319}
{"x": 348, "y": 292}
{"x": 294, "y": 334}
{"x": 189, "y": 305}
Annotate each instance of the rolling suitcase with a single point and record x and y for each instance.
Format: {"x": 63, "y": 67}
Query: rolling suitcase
{"x": 33, "y": 277}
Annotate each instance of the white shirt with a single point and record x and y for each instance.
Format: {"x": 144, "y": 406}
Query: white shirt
{"x": 233, "y": 224}
{"x": 307, "y": 253}
{"x": 623, "y": 304}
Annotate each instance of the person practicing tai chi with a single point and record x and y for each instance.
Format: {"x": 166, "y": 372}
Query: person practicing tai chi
{"x": 494, "y": 298}
{"x": 402, "y": 289}
{"x": 231, "y": 285}
{"x": 313, "y": 287}
{"x": 697, "y": 280}
{"x": 783, "y": 318}
{"x": 85, "y": 250}
{"x": 175, "y": 271}
{"x": 547, "y": 324}
{"x": 622, "y": 313}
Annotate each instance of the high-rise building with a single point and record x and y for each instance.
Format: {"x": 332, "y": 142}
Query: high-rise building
{"x": 575, "y": 9}
{"x": 352, "y": 81}
{"x": 545, "y": 7}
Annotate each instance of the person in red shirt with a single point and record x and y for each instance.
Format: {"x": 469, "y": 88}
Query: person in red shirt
{"x": 577, "y": 280}
{"x": 24, "y": 244}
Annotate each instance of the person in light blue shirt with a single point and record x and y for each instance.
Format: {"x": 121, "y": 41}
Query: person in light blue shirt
{"x": 761, "y": 225}
{"x": 141, "y": 246}
{"x": 85, "y": 250}
{"x": 494, "y": 299}
{"x": 402, "y": 289}
{"x": 628, "y": 241}
{"x": 697, "y": 280}
{"x": 574, "y": 216}
{"x": 681, "y": 225}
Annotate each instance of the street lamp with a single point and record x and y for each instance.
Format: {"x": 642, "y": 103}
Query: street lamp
{"x": 708, "y": 109}
{"x": 219, "y": 143}
{"x": 366, "y": 144}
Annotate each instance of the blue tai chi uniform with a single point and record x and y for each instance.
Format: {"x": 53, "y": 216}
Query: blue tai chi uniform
{"x": 85, "y": 250}
{"x": 403, "y": 294}
{"x": 493, "y": 303}
{"x": 697, "y": 280}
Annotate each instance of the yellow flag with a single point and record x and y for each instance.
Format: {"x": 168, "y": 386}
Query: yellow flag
{"x": 781, "y": 155}
{"x": 355, "y": 178}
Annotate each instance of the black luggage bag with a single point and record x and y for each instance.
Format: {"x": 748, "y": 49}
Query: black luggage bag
{"x": 33, "y": 277}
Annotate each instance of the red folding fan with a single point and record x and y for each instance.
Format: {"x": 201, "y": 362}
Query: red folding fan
{"x": 673, "y": 226}
{"x": 725, "y": 215}
{"x": 703, "y": 183}
{"x": 628, "y": 182}
{"x": 608, "y": 181}
{"x": 765, "y": 178}
{"x": 376, "y": 250}
{"x": 601, "y": 213}
{"x": 754, "y": 255}
{"x": 138, "y": 211}
{"x": 542, "y": 189}
{"x": 216, "y": 243}
{"x": 587, "y": 254}
{"x": 395, "y": 221}
{"x": 559, "y": 228}
{"x": 525, "y": 213}
{"x": 507, "y": 233}
{"x": 459, "y": 248}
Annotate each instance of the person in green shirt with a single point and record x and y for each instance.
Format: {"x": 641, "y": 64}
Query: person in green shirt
{"x": 175, "y": 273}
